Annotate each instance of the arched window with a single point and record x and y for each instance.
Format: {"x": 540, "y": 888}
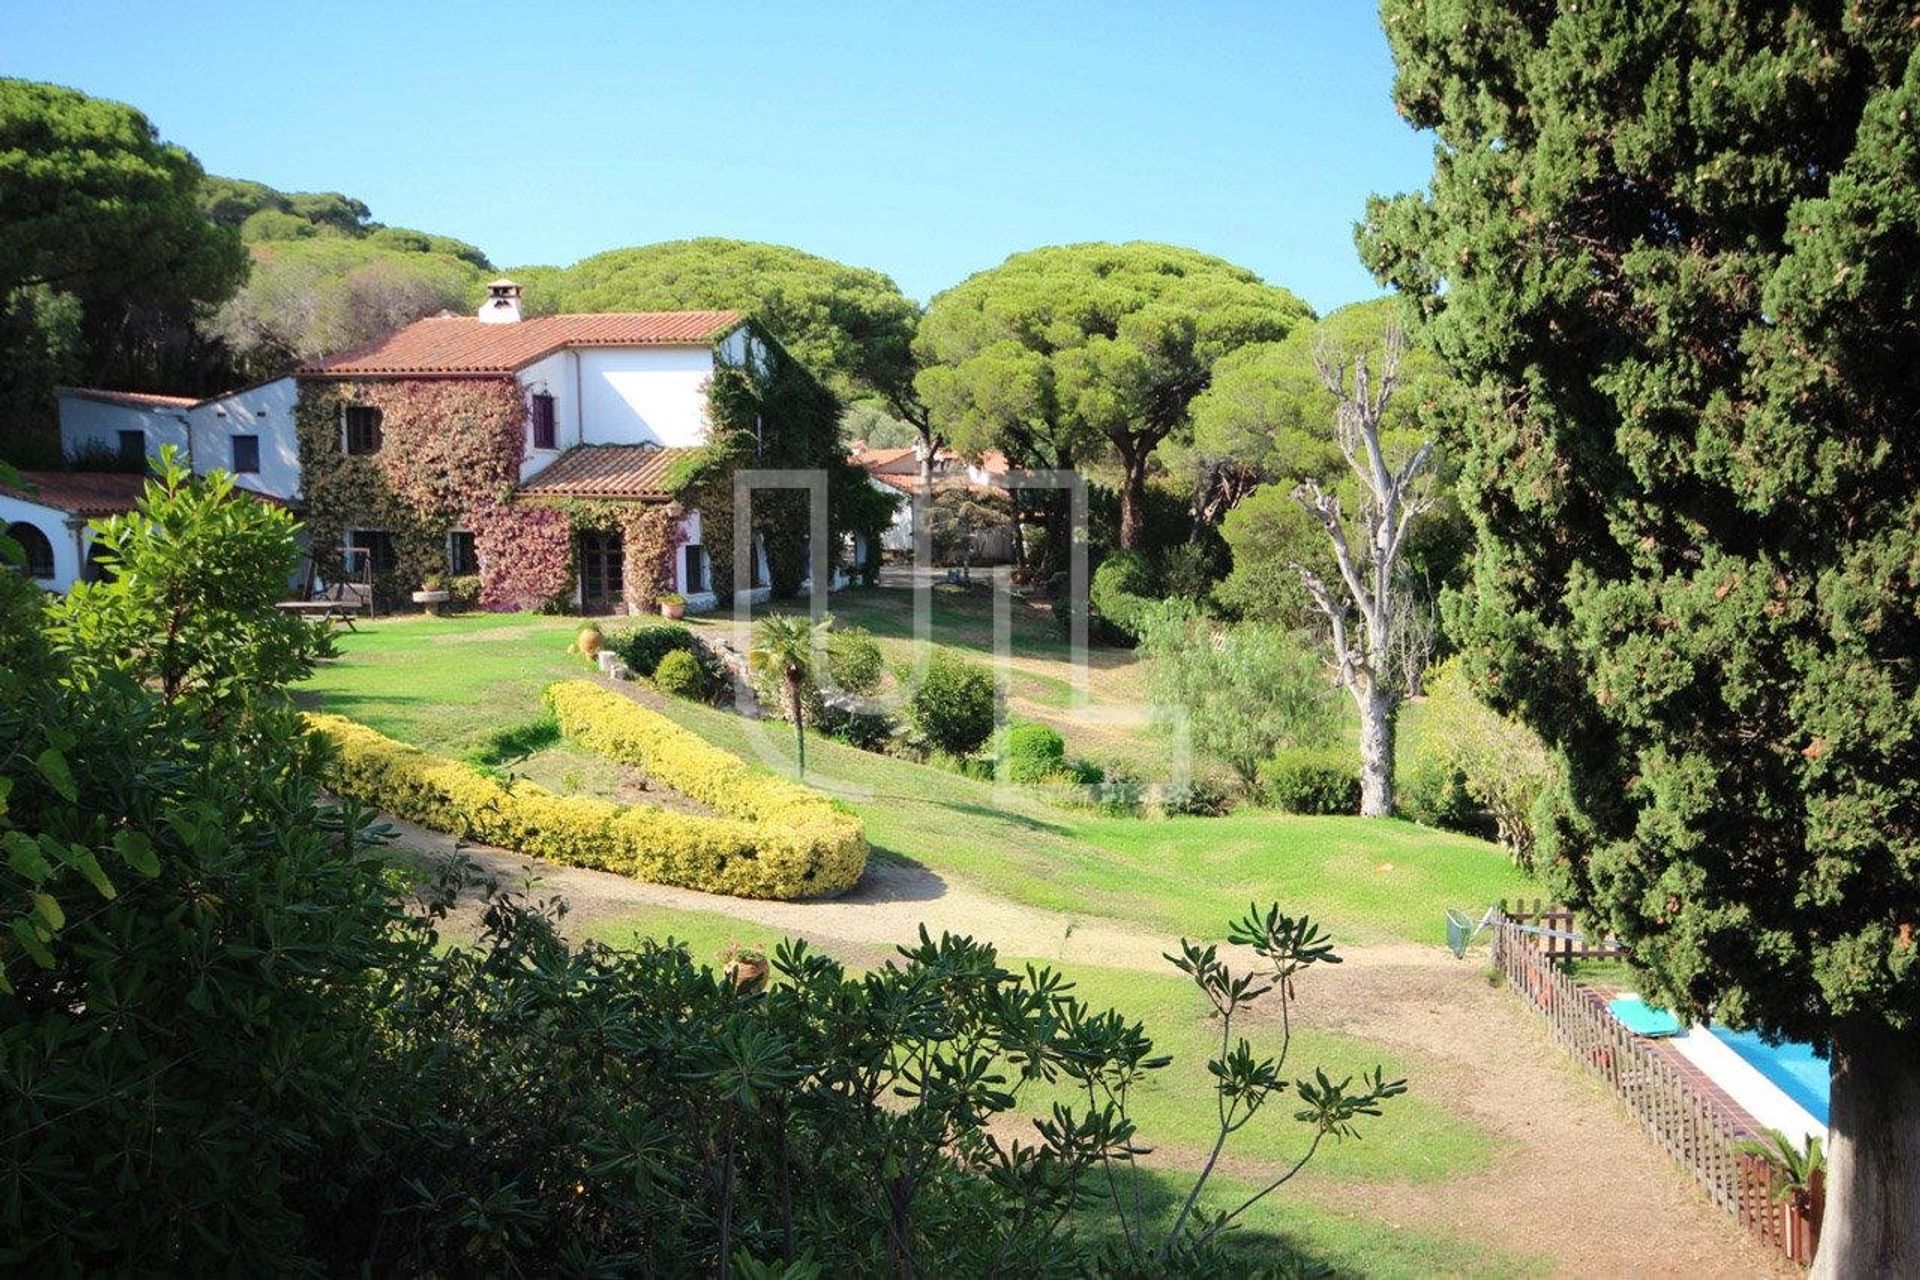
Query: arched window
{"x": 34, "y": 543}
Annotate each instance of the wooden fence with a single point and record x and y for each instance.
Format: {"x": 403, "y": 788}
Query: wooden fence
{"x": 1558, "y": 943}
{"x": 1701, "y": 1137}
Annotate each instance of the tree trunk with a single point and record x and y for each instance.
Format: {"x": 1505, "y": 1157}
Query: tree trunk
{"x": 1872, "y": 1225}
{"x": 799, "y": 723}
{"x": 1133, "y": 499}
{"x": 1378, "y": 707}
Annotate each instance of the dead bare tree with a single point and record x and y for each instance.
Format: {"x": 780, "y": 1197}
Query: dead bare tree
{"x": 1394, "y": 499}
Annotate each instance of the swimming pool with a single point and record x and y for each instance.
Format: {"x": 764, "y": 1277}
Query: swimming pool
{"x": 1793, "y": 1068}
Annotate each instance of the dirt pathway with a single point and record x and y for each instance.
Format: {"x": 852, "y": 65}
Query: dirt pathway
{"x": 1573, "y": 1176}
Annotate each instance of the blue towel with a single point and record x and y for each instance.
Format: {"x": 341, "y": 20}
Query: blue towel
{"x": 1641, "y": 1018}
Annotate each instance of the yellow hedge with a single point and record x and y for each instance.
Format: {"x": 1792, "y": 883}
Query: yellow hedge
{"x": 773, "y": 840}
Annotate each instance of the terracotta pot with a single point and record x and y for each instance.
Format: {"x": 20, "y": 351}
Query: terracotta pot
{"x": 589, "y": 640}
{"x": 748, "y": 975}
{"x": 677, "y": 609}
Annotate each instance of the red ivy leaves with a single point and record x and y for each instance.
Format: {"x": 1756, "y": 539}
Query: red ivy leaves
{"x": 526, "y": 555}
{"x": 449, "y": 443}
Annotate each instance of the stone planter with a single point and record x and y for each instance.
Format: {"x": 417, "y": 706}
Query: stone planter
{"x": 675, "y": 610}
{"x": 432, "y": 600}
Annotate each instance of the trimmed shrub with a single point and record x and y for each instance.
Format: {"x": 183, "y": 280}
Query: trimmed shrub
{"x": 774, "y": 839}
{"x": 1035, "y": 753}
{"x": 953, "y": 706}
{"x": 855, "y": 661}
{"x": 643, "y": 647}
{"x": 681, "y": 674}
{"x": 1121, "y": 588}
{"x": 1312, "y": 780}
{"x": 465, "y": 592}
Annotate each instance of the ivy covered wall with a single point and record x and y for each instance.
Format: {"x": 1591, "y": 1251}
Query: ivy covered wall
{"x": 448, "y": 446}
{"x": 450, "y": 455}
{"x": 772, "y": 413}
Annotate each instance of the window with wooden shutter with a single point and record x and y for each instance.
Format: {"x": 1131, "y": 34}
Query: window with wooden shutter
{"x": 361, "y": 429}
{"x": 544, "y": 434}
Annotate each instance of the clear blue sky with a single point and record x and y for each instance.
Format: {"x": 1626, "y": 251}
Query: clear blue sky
{"x": 926, "y": 140}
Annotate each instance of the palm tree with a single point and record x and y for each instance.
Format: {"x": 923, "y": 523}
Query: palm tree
{"x": 787, "y": 643}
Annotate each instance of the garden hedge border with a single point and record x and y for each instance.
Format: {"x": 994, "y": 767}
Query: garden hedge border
{"x": 772, "y": 838}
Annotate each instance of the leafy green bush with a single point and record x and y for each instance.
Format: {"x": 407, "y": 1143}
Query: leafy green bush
{"x": 953, "y": 705}
{"x": 1432, "y": 791}
{"x": 1122, "y": 587}
{"x": 643, "y": 647}
{"x": 1034, "y": 752}
{"x": 682, "y": 675}
{"x": 1245, "y": 691}
{"x": 1503, "y": 765}
{"x": 855, "y": 661}
{"x": 465, "y": 592}
{"x": 1312, "y": 780}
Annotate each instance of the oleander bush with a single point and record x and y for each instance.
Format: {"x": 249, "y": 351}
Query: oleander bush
{"x": 644, "y": 646}
{"x": 771, "y": 838}
{"x": 1312, "y": 780}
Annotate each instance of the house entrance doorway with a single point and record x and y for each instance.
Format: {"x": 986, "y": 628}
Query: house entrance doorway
{"x": 602, "y": 580}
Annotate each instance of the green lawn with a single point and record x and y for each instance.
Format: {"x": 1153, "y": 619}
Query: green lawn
{"x": 442, "y": 683}
{"x": 1418, "y": 1141}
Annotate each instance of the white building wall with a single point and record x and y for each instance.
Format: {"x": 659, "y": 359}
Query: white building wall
{"x": 86, "y": 423}
{"x": 65, "y": 532}
{"x": 559, "y": 376}
{"x": 265, "y": 411}
{"x": 644, "y": 395}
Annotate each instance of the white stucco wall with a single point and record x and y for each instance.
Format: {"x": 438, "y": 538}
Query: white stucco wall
{"x": 558, "y": 376}
{"x": 265, "y": 411}
{"x": 68, "y": 543}
{"x": 88, "y": 423}
{"x": 644, "y": 395}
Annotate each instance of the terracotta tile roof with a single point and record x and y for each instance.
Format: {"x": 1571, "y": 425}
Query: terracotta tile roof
{"x": 461, "y": 345}
{"x": 98, "y": 493}
{"x": 82, "y": 493}
{"x": 887, "y": 459}
{"x": 607, "y": 471}
{"x": 136, "y": 399}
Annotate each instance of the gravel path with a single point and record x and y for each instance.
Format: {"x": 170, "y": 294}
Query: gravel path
{"x": 1574, "y": 1178}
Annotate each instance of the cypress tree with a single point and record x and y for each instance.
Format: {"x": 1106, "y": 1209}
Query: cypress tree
{"x": 1672, "y": 253}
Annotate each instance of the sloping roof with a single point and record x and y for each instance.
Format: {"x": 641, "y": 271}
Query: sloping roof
{"x": 81, "y": 493}
{"x": 887, "y": 459}
{"x": 607, "y": 471}
{"x": 133, "y": 399}
{"x": 100, "y": 493}
{"x": 453, "y": 346}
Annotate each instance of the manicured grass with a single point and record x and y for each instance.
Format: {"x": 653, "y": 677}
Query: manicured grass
{"x": 444, "y": 683}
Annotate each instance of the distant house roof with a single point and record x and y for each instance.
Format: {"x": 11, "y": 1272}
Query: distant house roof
{"x": 462, "y": 346}
{"x": 607, "y": 471}
{"x": 81, "y": 493}
{"x": 900, "y": 468}
{"x": 134, "y": 399}
{"x": 97, "y": 493}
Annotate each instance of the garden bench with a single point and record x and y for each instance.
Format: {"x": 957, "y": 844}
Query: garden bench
{"x": 336, "y": 604}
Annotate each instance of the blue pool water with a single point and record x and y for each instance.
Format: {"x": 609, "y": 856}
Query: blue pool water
{"x": 1795, "y": 1069}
